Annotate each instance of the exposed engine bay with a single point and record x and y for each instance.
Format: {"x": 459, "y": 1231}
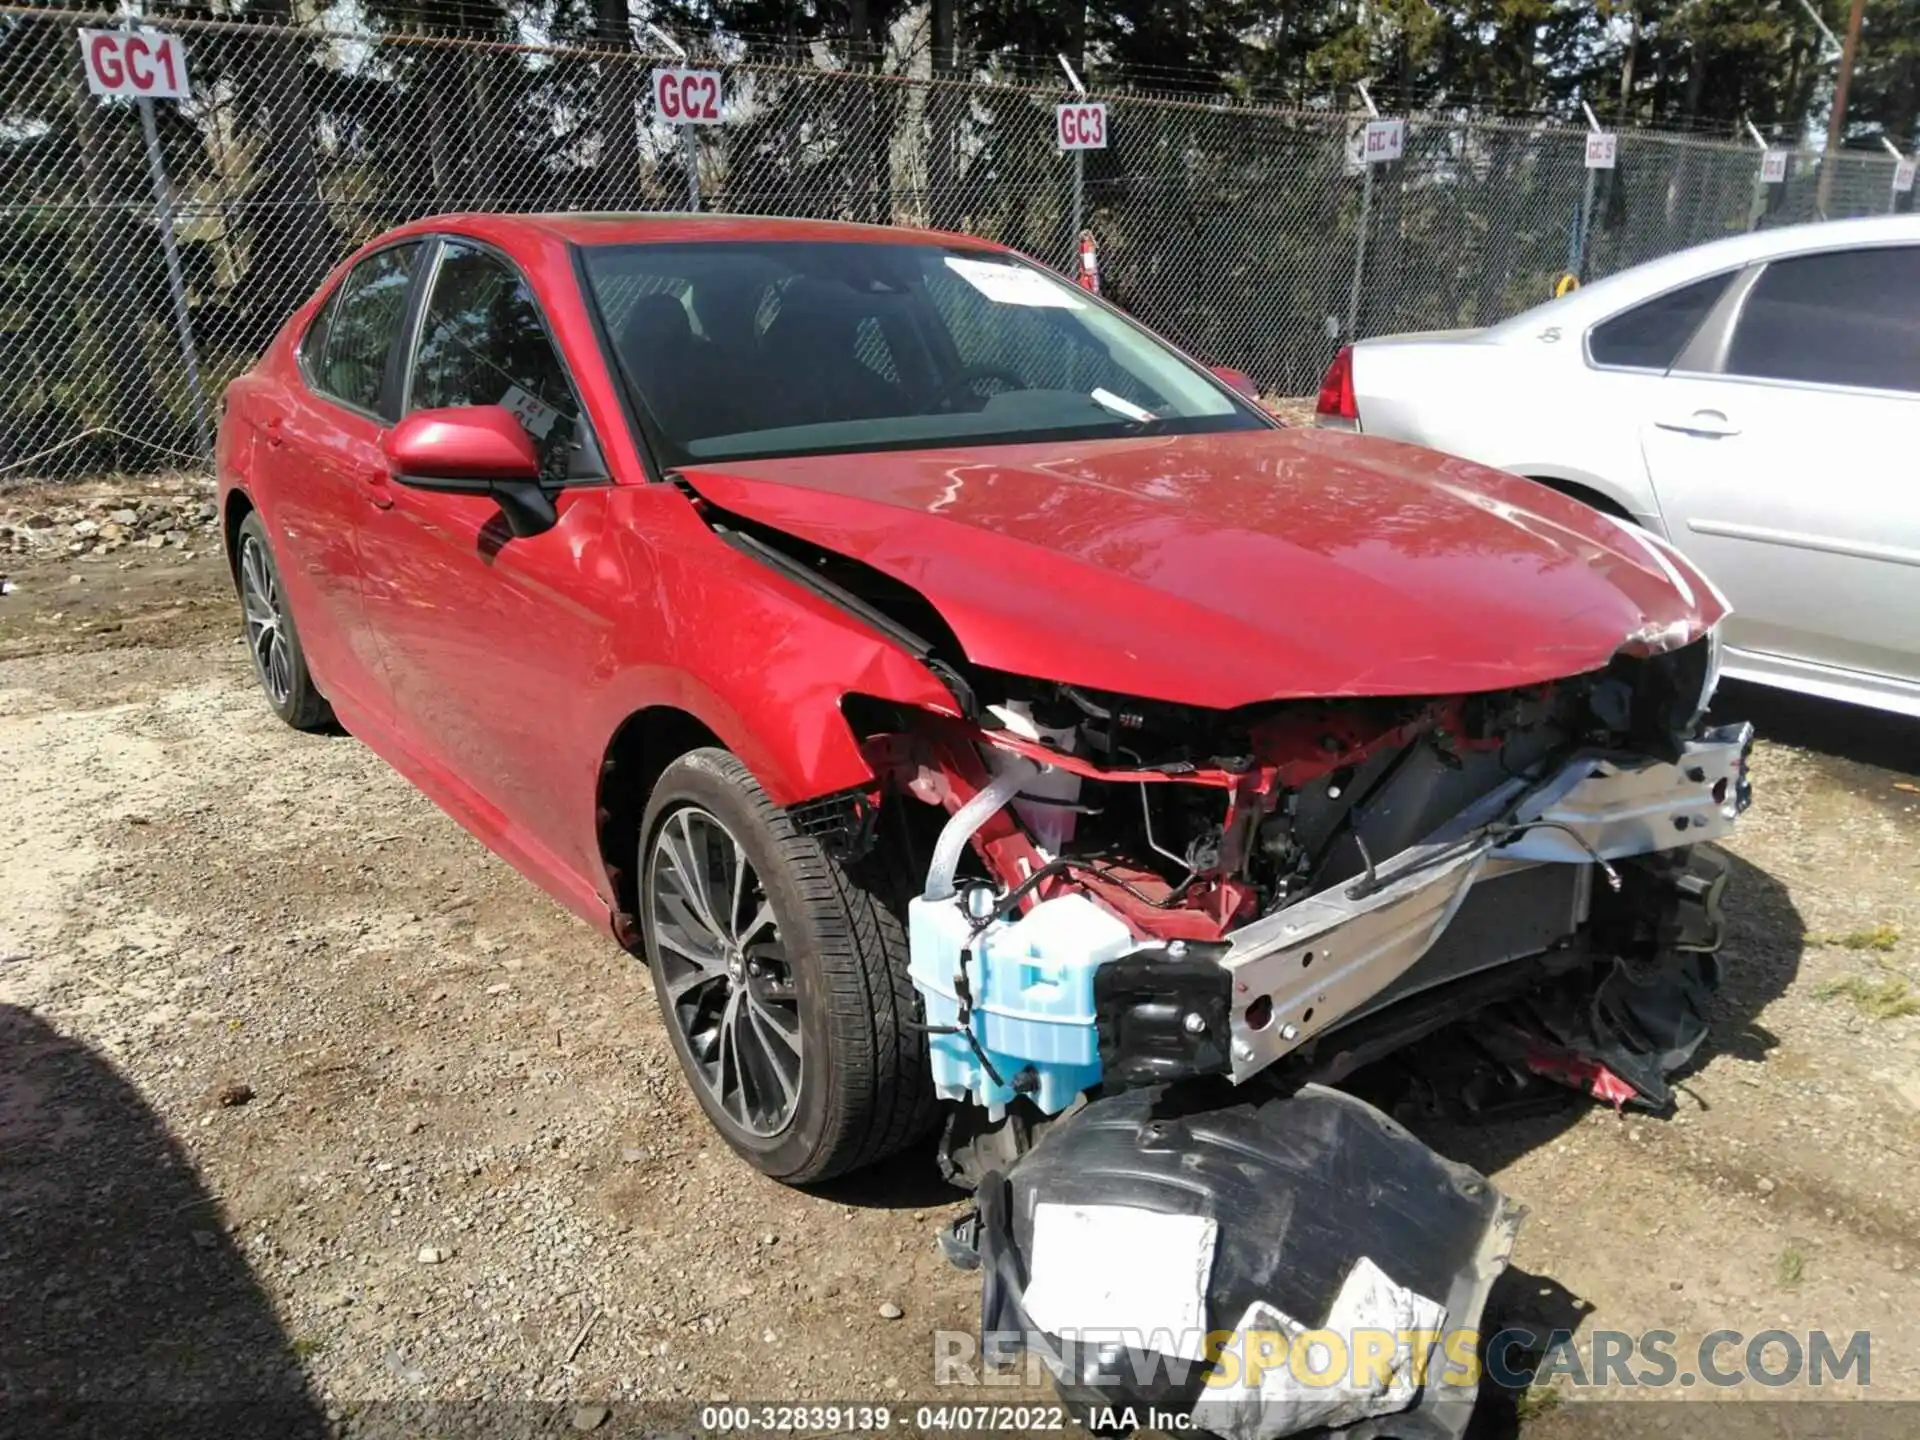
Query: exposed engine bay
{"x": 1148, "y": 936}
{"x": 1129, "y": 899}
{"x": 1129, "y": 892}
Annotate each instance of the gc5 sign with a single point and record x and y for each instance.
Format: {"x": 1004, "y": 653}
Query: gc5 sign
{"x": 146, "y": 64}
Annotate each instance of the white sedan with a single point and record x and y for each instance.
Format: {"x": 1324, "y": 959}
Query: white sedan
{"x": 1756, "y": 401}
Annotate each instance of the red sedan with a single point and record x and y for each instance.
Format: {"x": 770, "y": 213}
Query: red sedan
{"x": 956, "y": 694}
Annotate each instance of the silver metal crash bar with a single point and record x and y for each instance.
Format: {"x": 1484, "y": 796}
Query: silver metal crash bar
{"x": 1297, "y": 972}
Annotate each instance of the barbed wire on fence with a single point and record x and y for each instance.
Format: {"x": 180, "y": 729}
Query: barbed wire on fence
{"x": 1246, "y": 231}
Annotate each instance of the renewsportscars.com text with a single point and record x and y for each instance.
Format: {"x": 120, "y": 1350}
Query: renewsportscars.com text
{"x": 1515, "y": 1357}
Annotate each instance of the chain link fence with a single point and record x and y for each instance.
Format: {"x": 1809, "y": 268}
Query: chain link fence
{"x": 1252, "y": 236}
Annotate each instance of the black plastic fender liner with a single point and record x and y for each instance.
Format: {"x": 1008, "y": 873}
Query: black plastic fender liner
{"x": 1301, "y": 1188}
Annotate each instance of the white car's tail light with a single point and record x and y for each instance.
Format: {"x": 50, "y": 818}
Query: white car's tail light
{"x": 1337, "y": 406}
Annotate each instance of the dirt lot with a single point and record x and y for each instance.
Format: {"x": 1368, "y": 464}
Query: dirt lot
{"x": 304, "y": 1095}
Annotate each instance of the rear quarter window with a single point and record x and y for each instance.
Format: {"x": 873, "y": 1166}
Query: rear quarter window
{"x": 1652, "y": 334}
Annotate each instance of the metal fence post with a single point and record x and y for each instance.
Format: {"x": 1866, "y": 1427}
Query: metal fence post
{"x": 690, "y": 151}
{"x": 1079, "y": 166}
{"x": 176, "y": 280}
{"x": 1079, "y": 180}
{"x": 1360, "y": 250}
{"x": 1586, "y": 201}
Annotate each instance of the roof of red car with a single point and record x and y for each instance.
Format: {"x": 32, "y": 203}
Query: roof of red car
{"x": 601, "y": 228}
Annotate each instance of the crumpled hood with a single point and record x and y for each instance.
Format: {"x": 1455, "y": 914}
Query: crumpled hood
{"x": 1222, "y": 570}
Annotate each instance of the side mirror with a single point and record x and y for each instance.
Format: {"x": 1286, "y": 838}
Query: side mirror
{"x": 1238, "y": 380}
{"x": 473, "y": 450}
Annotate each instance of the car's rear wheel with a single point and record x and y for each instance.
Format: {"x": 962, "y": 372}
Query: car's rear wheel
{"x": 273, "y": 642}
{"x": 782, "y": 977}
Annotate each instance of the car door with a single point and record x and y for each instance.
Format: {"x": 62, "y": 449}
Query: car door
{"x": 1783, "y": 456}
{"x": 321, "y": 471}
{"x": 485, "y": 634}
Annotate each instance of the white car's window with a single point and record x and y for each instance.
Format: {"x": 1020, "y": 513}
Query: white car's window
{"x": 1848, "y": 317}
{"x": 740, "y": 349}
{"x": 1652, "y": 334}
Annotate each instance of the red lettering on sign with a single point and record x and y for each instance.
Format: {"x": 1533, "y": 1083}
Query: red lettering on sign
{"x": 138, "y": 54}
{"x": 145, "y": 64}
{"x": 1081, "y": 127}
{"x": 104, "y": 55}
{"x": 688, "y": 97}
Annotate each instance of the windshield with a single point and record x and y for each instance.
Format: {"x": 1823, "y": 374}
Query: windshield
{"x": 746, "y": 350}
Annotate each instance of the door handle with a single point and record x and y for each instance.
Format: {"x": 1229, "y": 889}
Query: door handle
{"x": 1710, "y": 423}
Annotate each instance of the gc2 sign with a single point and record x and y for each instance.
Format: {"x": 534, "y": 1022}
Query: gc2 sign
{"x": 687, "y": 97}
{"x": 1386, "y": 140}
{"x": 1773, "y": 168}
{"x": 1603, "y": 150}
{"x": 1903, "y": 177}
{"x": 1081, "y": 126}
{"x": 146, "y": 64}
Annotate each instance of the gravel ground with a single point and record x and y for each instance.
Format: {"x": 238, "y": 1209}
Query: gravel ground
{"x": 305, "y": 1095}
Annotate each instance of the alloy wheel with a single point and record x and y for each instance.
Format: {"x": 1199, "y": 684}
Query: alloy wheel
{"x": 266, "y": 623}
{"x": 724, "y": 972}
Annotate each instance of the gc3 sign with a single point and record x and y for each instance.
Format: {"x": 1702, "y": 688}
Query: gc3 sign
{"x": 146, "y": 64}
{"x": 687, "y": 97}
{"x": 1081, "y": 126}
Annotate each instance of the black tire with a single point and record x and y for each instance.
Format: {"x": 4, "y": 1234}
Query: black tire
{"x": 865, "y": 1090}
{"x": 282, "y": 673}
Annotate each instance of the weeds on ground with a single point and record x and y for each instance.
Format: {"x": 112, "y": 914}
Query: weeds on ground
{"x": 1886, "y": 998}
{"x": 1882, "y": 938}
{"x": 1535, "y": 1402}
{"x": 1791, "y": 1267}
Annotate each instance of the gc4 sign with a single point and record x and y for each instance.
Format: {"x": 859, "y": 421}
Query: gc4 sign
{"x": 1773, "y": 168}
{"x": 147, "y": 64}
{"x": 1603, "y": 149}
{"x": 1902, "y": 177}
{"x": 1386, "y": 140}
{"x": 687, "y": 97}
{"x": 1081, "y": 126}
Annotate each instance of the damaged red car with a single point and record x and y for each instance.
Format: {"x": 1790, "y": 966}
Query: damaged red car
{"x": 980, "y": 715}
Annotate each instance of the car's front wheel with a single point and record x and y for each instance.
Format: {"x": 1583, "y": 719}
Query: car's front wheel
{"x": 782, "y": 977}
{"x": 273, "y": 643}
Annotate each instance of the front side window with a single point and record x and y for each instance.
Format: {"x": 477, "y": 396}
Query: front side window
{"x": 1850, "y": 317}
{"x": 347, "y": 349}
{"x": 1652, "y": 334}
{"x": 746, "y": 349}
{"x": 482, "y": 342}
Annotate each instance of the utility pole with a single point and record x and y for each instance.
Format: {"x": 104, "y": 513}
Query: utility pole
{"x": 1837, "y": 121}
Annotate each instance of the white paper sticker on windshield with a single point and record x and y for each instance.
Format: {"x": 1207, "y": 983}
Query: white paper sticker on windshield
{"x": 1014, "y": 284}
{"x": 532, "y": 412}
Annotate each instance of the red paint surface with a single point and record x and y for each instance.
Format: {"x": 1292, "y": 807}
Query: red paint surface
{"x": 495, "y": 671}
{"x": 1221, "y": 570}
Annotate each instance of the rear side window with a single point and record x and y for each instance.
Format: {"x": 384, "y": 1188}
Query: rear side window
{"x": 1651, "y": 335}
{"x": 347, "y": 349}
{"x": 1851, "y": 317}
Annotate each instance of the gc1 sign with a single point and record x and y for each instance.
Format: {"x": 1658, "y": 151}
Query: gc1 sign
{"x": 147, "y": 64}
{"x": 1603, "y": 149}
{"x": 687, "y": 97}
{"x": 1386, "y": 140}
{"x": 1773, "y": 168}
{"x": 1081, "y": 126}
{"x": 1903, "y": 177}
